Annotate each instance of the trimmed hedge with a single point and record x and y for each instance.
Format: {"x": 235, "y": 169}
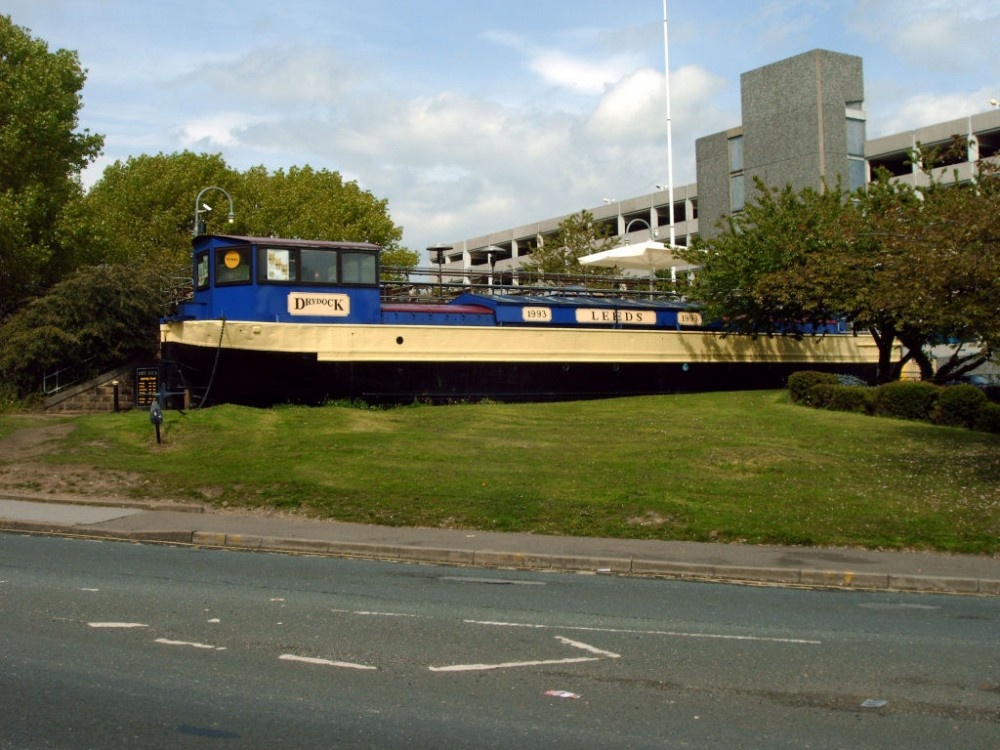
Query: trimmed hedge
{"x": 800, "y": 384}
{"x": 988, "y": 419}
{"x": 907, "y": 399}
{"x": 853, "y": 398}
{"x": 959, "y": 406}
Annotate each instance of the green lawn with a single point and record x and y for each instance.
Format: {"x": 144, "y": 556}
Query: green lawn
{"x": 744, "y": 466}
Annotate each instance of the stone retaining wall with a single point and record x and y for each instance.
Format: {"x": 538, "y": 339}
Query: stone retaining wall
{"x": 96, "y": 395}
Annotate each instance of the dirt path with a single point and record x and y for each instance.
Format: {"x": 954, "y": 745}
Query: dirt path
{"x": 22, "y": 475}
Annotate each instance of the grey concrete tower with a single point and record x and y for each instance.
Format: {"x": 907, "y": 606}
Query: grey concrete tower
{"x": 803, "y": 124}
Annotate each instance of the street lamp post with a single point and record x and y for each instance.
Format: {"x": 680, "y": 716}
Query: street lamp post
{"x": 628, "y": 228}
{"x": 437, "y": 254}
{"x": 199, "y": 208}
{"x": 492, "y": 252}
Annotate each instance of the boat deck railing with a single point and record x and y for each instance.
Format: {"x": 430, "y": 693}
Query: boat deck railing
{"x": 435, "y": 286}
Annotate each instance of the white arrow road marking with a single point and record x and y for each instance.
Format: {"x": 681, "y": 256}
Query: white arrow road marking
{"x": 167, "y": 642}
{"x": 511, "y": 664}
{"x": 669, "y": 633}
{"x": 586, "y": 647}
{"x": 370, "y": 613}
{"x": 324, "y": 662}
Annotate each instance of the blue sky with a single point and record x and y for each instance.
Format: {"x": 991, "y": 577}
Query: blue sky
{"x": 469, "y": 117}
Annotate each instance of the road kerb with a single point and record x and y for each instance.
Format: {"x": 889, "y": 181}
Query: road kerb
{"x": 673, "y": 569}
{"x": 762, "y": 575}
{"x": 437, "y": 555}
{"x": 844, "y": 579}
{"x": 314, "y": 546}
{"x": 934, "y": 583}
{"x": 989, "y": 586}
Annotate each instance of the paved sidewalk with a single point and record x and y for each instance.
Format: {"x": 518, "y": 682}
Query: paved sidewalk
{"x": 821, "y": 567}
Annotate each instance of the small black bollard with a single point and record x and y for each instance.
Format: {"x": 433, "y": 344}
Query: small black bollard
{"x": 156, "y": 417}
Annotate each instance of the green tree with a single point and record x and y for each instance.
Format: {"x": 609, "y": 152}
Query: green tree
{"x": 793, "y": 258}
{"x": 316, "y": 205}
{"x": 96, "y": 318}
{"x": 137, "y": 224}
{"x": 947, "y": 277}
{"x": 141, "y": 211}
{"x": 41, "y": 156}
{"x": 578, "y": 235}
{"x": 933, "y": 270}
{"x": 890, "y": 258}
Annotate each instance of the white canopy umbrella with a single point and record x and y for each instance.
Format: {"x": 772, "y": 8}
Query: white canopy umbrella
{"x": 649, "y": 255}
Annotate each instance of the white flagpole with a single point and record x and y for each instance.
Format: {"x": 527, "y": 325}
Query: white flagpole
{"x": 670, "y": 145}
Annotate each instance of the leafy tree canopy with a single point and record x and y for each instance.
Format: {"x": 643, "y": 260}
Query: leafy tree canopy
{"x": 578, "y": 235}
{"x": 948, "y": 272}
{"x": 317, "y": 205}
{"x": 136, "y": 224}
{"x": 96, "y": 318}
{"x": 142, "y": 210}
{"x": 41, "y": 156}
{"x": 916, "y": 266}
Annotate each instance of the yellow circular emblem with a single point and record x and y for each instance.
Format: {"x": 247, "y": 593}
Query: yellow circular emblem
{"x": 232, "y": 259}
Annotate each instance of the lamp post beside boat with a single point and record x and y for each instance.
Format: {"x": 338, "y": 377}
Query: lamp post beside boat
{"x": 437, "y": 255}
{"x": 199, "y": 209}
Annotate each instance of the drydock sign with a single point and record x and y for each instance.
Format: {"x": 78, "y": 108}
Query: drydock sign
{"x": 324, "y": 305}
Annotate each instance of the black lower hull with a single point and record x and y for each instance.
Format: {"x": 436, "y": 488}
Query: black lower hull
{"x": 213, "y": 376}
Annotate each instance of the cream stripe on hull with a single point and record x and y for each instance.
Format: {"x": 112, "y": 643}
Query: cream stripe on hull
{"x": 420, "y": 343}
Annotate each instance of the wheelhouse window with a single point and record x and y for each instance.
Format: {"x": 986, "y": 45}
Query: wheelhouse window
{"x": 232, "y": 265}
{"x": 359, "y": 268}
{"x": 277, "y": 264}
{"x": 320, "y": 266}
{"x": 201, "y": 270}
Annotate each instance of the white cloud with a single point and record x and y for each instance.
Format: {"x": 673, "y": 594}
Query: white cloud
{"x": 309, "y": 78}
{"x": 215, "y": 131}
{"x": 934, "y": 34}
{"x": 582, "y": 75}
{"x": 634, "y": 107}
{"x": 927, "y": 109}
{"x": 508, "y": 166}
{"x": 556, "y": 67}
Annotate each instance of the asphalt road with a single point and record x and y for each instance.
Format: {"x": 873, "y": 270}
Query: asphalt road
{"x": 108, "y": 645}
